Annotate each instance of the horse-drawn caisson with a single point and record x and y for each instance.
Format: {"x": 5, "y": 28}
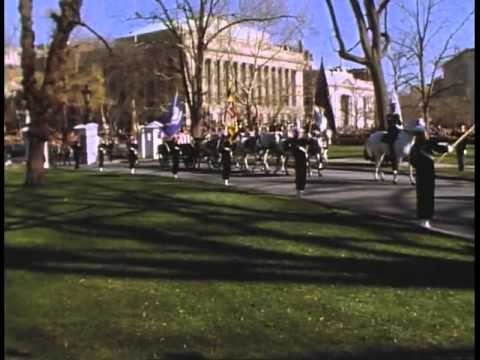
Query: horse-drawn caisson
{"x": 264, "y": 148}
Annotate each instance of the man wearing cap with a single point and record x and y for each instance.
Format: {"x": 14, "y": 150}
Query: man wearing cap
{"x": 175, "y": 151}
{"x": 421, "y": 158}
{"x": 226, "y": 158}
{"x": 102, "y": 151}
{"x": 132, "y": 154}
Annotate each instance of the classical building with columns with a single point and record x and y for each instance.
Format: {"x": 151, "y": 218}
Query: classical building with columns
{"x": 352, "y": 96}
{"x": 265, "y": 78}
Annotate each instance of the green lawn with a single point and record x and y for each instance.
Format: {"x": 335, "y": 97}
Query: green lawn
{"x": 121, "y": 267}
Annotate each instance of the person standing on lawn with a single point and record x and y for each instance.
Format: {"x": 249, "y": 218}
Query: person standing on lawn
{"x": 102, "y": 151}
{"x": 461, "y": 147}
{"x": 132, "y": 154}
{"x": 300, "y": 152}
{"x": 226, "y": 154}
{"x": 421, "y": 158}
{"x": 77, "y": 149}
{"x": 175, "y": 151}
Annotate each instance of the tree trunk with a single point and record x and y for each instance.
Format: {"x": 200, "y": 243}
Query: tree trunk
{"x": 381, "y": 96}
{"x": 35, "y": 175}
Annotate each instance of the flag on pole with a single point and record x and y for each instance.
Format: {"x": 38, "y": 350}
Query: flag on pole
{"x": 172, "y": 119}
{"x": 231, "y": 117}
{"x": 322, "y": 97}
{"x": 395, "y": 100}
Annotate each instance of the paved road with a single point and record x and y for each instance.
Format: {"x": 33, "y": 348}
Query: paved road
{"x": 355, "y": 190}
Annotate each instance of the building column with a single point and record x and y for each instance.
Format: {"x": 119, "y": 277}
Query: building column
{"x": 261, "y": 91}
{"x": 214, "y": 80}
{"x": 266, "y": 80}
{"x": 221, "y": 82}
{"x": 280, "y": 87}
{"x": 274, "y": 95}
{"x": 299, "y": 92}
{"x": 293, "y": 88}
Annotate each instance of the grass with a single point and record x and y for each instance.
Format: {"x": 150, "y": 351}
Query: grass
{"x": 121, "y": 267}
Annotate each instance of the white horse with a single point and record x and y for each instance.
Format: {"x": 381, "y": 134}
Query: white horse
{"x": 376, "y": 149}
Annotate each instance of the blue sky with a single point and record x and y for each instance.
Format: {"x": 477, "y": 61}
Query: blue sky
{"x": 110, "y": 18}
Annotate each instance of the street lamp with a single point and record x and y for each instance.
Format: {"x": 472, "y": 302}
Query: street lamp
{"x": 87, "y": 96}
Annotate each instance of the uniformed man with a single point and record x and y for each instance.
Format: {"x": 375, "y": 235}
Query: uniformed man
{"x": 102, "y": 151}
{"x": 175, "y": 151}
{"x": 300, "y": 152}
{"x": 421, "y": 158}
{"x": 226, "y": 159}
{"x": 132, "y": 154}
{"x": 77, "y": 149}
{"x": 66, "y": 154}
{"x": 461, "y": 147}
{"x": 393, "y": 128}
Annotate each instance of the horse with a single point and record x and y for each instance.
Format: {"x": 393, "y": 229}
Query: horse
{"x": 317, "y": 149}
{"x": 207, "y": 149}
{"x": 375, "y": 149}
{"x": 245, "y": 146}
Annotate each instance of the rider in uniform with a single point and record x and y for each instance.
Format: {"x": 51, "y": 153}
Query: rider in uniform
{"x": 132, "y": 154}
{"x": 77, "y": 153}
{"x": 421, "y": 158}
{"x": 300, "y": 152}
{"x": 393, "y": 128}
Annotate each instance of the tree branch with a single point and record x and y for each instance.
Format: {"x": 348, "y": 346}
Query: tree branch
{"x": 342, "y": 52}
{"x": 82, "y": 24}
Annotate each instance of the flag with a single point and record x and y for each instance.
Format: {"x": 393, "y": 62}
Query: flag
{"x": 319, "y": 118}
{"x": 231, "y": 117}
{"x": 172, "y": 119}
{"x": 322, "y": 97}
{"x": 395, "y": 100}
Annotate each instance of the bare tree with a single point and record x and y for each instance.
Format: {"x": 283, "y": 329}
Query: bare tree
{"x": 374, "y": 43}
{"x": 194, "y": 26}
{"x": 423, "y": 39}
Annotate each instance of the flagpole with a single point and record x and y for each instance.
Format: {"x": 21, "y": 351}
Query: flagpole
{"x": 457, "y": 142}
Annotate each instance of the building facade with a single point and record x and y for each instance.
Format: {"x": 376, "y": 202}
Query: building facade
{"x": 458, "y": 84}
{"x": 266, "y": 80}
{"x": 351, "y": 94}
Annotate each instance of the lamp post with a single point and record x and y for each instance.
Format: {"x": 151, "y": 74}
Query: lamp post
{"x": 87, "y": 96}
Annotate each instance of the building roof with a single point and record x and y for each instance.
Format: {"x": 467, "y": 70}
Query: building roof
{"x": 459, "y": 54}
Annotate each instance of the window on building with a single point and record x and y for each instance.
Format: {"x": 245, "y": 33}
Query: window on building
{"x": 345, "y": 109}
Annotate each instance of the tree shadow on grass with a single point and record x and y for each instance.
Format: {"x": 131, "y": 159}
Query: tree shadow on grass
{"x": 204, "y": 252}
{"x": 391, "y": 354}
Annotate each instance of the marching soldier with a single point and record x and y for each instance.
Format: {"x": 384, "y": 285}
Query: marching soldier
{"x": 300, "y": 152}
{"x": 461, "y": 148}
{"x": 66, "y": 154}
{"x": 132, "y": 154}
{"x": 76, "y": 154}
{"x": 226, "y": 153}
{"x": 175, "y": 150}
{"x": 102, "y": 151}
{"x": 421, "y": 158}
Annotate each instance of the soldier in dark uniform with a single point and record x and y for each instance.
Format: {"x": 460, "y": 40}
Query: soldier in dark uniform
{"x": 421, "y": 158}
{"x": 461, "y": 148}
{"x": 226, "y": 154}
{"x": 110, "y": 150}
{"x": 393, "y": 123}
{"x": 132, "y": 155}
{"x": 102, "y": 151}
{"x": 300, "y": 152}
{"x": 175, "y": 151}
{"x": 77, "y": 149}
{"x": 66, "y": 154}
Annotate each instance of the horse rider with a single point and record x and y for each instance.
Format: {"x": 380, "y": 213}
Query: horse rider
{"x": 393, "y": 128}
